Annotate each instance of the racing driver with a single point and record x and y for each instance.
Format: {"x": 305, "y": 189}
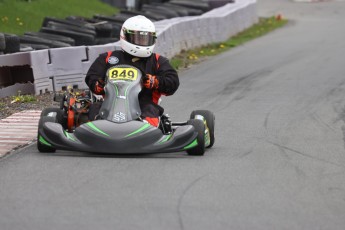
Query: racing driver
{"x": 137, "y": 39}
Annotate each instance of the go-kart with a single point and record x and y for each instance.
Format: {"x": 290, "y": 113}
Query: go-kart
{"x": 118, "y": 127}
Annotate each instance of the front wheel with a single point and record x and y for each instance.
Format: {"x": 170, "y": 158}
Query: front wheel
{"x": 209, "y": 119}
{"x": 42, "y": 144}
{"x": 47, "y": 115}
{"x": 197, "y": 147}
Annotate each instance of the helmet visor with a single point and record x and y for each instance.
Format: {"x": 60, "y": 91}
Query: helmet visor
{"x": 140, "y": 38}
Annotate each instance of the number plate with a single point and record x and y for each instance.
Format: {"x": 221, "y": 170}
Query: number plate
{"x": 122, "y": 73}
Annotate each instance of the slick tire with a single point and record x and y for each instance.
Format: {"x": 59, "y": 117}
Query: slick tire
{"x": 210, "y": 123}
{"x": 2, "y": 42}
{"x": 69, "y": 21}
{"x": 25, "y": 39}
{"x": 53, "y": 37}
{"x": 104, "y": 29}
{"x": 199, "y": 127}
{"x": 80, "y": 38}
{"x": 12, "y": 43}
{"x": 79, "y": 29}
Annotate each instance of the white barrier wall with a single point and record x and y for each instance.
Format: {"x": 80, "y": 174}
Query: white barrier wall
{"x": 218, "y": 25}
{"x": 68, "y": 66}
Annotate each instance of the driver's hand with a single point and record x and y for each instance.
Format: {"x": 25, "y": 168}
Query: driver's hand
{"x": 98, "y": 88}
{"x": 150, "y": 81}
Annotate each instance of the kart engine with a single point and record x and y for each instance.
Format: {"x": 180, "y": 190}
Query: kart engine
{"x": 75, "y": 105}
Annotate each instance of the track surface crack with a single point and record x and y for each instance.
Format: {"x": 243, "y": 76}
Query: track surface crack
{"x": 306, "y": 155}
{"x": 180, "y": 201}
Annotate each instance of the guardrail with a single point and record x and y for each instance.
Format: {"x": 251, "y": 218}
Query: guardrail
{"x": 68, "y": 66}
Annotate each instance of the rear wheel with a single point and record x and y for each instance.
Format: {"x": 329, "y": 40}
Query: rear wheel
{"x": 199, "y": 147}
{"x": 209, "y": 117}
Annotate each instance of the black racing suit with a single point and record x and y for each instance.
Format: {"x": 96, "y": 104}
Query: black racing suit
{"x": 156, "y": 65}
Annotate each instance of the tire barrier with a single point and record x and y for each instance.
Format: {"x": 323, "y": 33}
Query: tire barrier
{"x": 59, "y": 67}
{"x": 12, "y": 43}
{"x": 2, "y": 42}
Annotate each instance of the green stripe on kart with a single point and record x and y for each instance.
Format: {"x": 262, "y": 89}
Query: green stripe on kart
{"x": 142, "y": 128}
{"x": 43, "y": 141}
{"x": 69, "y": 136}
{"x": 166, "y": 139}
{"x": 94, "y": 128}
{"x": 191, "y": 145}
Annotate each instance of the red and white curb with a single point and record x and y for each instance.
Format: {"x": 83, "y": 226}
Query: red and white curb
{"x": 18, "y": 130}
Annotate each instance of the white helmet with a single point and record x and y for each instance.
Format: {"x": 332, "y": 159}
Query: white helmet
{"x": 138, "y": 36}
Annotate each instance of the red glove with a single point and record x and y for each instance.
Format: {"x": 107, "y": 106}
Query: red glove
{"x": 150, "y": 82}
{"x": 98, "y": 88}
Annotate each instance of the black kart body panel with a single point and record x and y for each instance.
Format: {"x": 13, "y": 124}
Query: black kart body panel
{"x": 102, "y": 136}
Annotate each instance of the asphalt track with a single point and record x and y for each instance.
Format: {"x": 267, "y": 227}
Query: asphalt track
{"x": 278, "y": 161}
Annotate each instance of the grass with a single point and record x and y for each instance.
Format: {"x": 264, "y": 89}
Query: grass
{"x": 23, "y": 98}
{"x": 19, "y": 16}
{"x": 264, "y": 26}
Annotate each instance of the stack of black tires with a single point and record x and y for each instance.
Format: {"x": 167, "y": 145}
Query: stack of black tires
{"x": 57, "y": 33}
{"x": 78, "y": 31}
